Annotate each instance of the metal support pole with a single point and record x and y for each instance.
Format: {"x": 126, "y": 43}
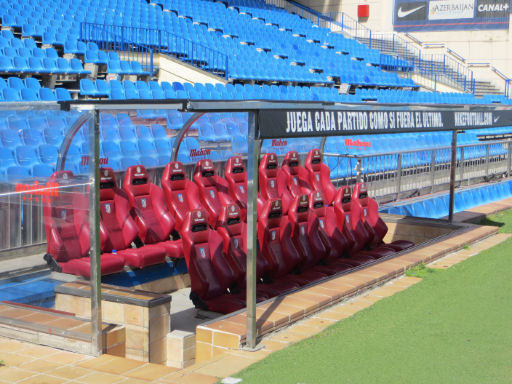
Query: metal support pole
{"x": 453, "y": 168}
{"x": 94, "y": 224}
{"x": 509, "y": 158}
{"x": 252, "y": 188}
{"x": 487, "y": 160}
{"x": 432, "y": 171}
{"x": 399, "y": 177}
{"x": 461, "y": 167}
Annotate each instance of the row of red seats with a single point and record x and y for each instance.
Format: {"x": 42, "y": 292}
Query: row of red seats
{"x": 138, "y": 221}
{"x": 303, "y": 236}
{"x": 311, "y": 239}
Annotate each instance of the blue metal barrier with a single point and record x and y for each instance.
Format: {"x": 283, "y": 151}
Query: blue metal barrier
{"x": 140, "y": 44}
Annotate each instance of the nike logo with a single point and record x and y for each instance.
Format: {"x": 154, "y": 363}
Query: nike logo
{"x": 496, "y": 119}
{"x": 401, "y": 13}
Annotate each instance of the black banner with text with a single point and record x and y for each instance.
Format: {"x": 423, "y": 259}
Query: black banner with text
{"x": 308, "y": 123}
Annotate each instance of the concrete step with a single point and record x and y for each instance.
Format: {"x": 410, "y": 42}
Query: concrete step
{"x": 57, "y": 329}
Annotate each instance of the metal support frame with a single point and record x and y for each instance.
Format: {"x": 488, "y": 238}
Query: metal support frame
{"x": 94, "y": 224}
{"x": 453, "y": 168}
{"x": 183, "y": 131}
{"x": 254, "y": 139}
{"x": 252, "y": 188}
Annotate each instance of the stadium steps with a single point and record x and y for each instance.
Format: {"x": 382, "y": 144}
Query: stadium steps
{"x": 175, "y": 70}
{"x": 486, "y": 88}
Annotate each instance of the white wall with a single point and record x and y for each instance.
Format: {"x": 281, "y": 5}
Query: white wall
{"x": 174, "y": 70}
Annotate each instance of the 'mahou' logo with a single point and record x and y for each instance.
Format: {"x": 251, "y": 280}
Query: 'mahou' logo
{"x": 279, "y": 143}
{"x": 85, "y": 160}
{"x": 43, "y": 191}
{"x": 201, "y": 152}
{"x": 357, "y": 143}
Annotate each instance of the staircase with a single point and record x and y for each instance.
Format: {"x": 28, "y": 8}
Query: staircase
{"x": 485, "y": 88}
{"x": 446, "y": 67}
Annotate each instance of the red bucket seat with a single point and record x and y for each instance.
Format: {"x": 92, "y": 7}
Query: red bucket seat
{"x": 369, "y": 210}
{"x": 118, "y": 229}
{"x": 66, "y": 221}
{"x": 181, "y": 194}
{"x": 236, "y": 176}
{"x": 213, "y": 190}
{"x": 320, "y": 175}
{"x": 150, "y": 212}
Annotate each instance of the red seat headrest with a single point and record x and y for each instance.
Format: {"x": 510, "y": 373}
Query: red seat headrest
{"x": 196, "y": 226}
{"x": 317, "y": 203}
{"x": 269, "y": 165}
{"x": 230, "y": 218}
{"x": 61, "y": 176}
{"x": 299, "y": 209}
{"x": 292, "y": 161}
{"x": 314, "y": 160}
{"x": 205, "y": 170}
{"x": 138, "y": 180}
{"x": 346, "y": 197}
{"x": 107, "y": 184}
{"x": 235, "y": 168}
{"x": 272, "y": 213}
{"x": 360, "y": 192}
{"x": 175, "y": 174}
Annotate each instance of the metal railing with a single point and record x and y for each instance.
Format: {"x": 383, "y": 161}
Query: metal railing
{"x": 390, "y": 177}
{"x": 133, "y": 43}
{"x": 130, "y": 43}
{"x": 397, "y": 175}
{"x": 445, "y": 68}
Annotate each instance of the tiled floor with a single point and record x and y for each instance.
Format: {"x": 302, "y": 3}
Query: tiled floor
{"x": 28, "y": 363}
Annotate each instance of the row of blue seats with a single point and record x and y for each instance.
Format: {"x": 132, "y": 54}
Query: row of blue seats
{"x": 116, "y": 11}
{"x": 438, "y": 207}
{"x": 8, "y": 94}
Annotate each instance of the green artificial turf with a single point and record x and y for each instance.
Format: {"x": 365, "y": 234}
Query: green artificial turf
{"x": 501, "y": 219}
{"x": 455, "y": 326}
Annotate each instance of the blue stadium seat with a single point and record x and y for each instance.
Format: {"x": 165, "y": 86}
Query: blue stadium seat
{"x": 26, "y": 156}
{"x": 62, "y": 94}
{"x": 11, "y": 94}
{"x": 15, "y": 173}
{"x": 31, "y": 82}
{"x": 46, "y": 94}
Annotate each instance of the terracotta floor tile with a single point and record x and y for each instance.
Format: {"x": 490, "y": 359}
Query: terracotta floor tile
{"x": 39, "y": 318}
{"x": 150, "y": 372}
{"x": 69, "y": 372}
{"x": 225, "y": 366}
{"x": 119, "y": 366}
{"x": 37, "y": 351}
{"x": 318, "y": 323}
{"x": 386, "y": 291}
{"x": 68, "y": 357}
{"x": 334, "y": 315}
{"x": 273, "y": 345}
{"x": 290, "y": 337}
{"x": 228, "y": 326}
{"x": 130, "y": 380}
{"x": 40, "y": 365}
{"x": 8, "y": 345}
{"x": 305, "y": 330}
{"x": 14, "y": 374}
{"x": 191, "y": 378}
{"x": 100, "y": 378}
{"x": 64, "y": 323}
{"x": 16, "y": 313}
{"x": 92, "y": 363}
{"x": 15, "y": 359}
{"x": 44, "y": 379}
